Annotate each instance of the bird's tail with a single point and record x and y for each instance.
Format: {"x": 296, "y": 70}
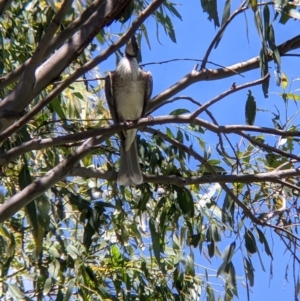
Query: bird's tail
{"x": 129, "y": 173}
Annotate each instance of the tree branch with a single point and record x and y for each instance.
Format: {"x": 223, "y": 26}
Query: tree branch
{"x": 37, "y": 144}
{"x": 38, "y": 187}
{"x": 216, "y": 74}
{"x": 79, "y": 72}
{"x": 55, "y": 42}
{"x": 275, "y": 176}
{"x": 221, "y": 31}
{"x": 15, "y": 102}
{"x": 23, "y": 90}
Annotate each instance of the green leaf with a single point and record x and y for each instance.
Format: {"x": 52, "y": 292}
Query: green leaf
{"x": 185, "y": 201}
{"x": 231, "y": 277}
{"x": 221, "y": 269}
{"x": 92, "y": 226}
{"x": 145, "y": 32}
{"x": 250, "y": 242}
{"x": 264, "y": 241}
{"x": 212, "y": 233}
{"x": 179, "y": 112}
{"x": 54, "y": 269}
{"x": 57, "y": 108}
{"x": 225, "y": 17}
{"x": 253, "y": 4}
{"x": 249, "y": 271}
{"x": 47, "y": 286}
{"x": 250, "y": 109}
{"x": 170, "y": 28}
{"x": 211, "y": 249}
{"x": 155, "y": 240}
{"x": 69, "y": 291}
{"x": 15, "y": 291}
{"x": 211, "y": 8}
{"x": 190, "y": 267}
{"x": 228, "y": 253}
{"x": 172, "y": 9}
{"x": 194, "y": 240}
{"x": 73, "y": 252}
{"x": 210, "y": 296}
{"x": 258, "y": 23}
{"x": 291, "y": 96}
{"x": 264, "y": 69}
{"x": 31, "y": 209}
{"x": 169, "y": 133}
{"x": 266, "y": 14}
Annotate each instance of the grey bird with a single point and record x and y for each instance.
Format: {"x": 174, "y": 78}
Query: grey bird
{"x": 128, "y": 90}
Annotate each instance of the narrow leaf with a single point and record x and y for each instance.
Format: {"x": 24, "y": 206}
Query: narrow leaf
{"x": 155, "y": 240}
{"x": 250, "y": 109}
{"x": 250, "y": 242}
{"x": 225, "y": 17}
{"x": 70, "y": 288}
{"x": 284, "y": 81}
{"x": 180, "y": 112}
{"x": 264, "y": 241}
{"x": 210, "y": 7}
{"x": 228, "y": 253}
{"x": 249, "y": 271}
{"x": 264, "y": 69}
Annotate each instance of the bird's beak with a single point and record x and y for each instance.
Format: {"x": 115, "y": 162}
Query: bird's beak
{"x": 132, "y": 47}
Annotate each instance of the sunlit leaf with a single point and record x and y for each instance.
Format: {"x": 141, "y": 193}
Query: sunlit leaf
{"x": 69, "y": 291}
{"x": 291, "y": 96}
{"x": 15, "y": 291}
{"x": 284, "y": 81}
{"x": 47, "y": 286}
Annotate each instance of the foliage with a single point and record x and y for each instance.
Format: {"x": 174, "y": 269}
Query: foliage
{"x": 67, "y": 231}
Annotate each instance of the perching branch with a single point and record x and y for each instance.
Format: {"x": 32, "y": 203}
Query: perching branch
{"x": 81, "y": 71}
{"x": 51, "y": 68}
{"x": 275, "y": 176}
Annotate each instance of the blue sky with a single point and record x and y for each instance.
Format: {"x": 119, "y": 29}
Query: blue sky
{"x": 193, "y": 35}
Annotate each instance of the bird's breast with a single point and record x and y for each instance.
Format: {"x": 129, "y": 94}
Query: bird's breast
{"x": 129, "y": 97}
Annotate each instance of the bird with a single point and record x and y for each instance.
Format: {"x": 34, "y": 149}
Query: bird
{"x": 128, "y": 90}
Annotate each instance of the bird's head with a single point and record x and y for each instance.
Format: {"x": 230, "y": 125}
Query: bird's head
{"x": 132, "y": 48}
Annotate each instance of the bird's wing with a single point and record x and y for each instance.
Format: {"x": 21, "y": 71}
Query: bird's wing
{"x": 148, "y": 91}
{"x": 110, "y": 96}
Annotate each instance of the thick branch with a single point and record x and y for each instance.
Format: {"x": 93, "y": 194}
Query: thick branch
{"x": 216, "y": 74}
{"x": 37, "y": 144}
{"x": 18, "y": 99}
{"x": 4, "y": 4}
{"x": 81, "y": 71}
{"x": 38, "y": 187}
{"x": 28, "y": 81}
{"x": 55, "y": 43}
